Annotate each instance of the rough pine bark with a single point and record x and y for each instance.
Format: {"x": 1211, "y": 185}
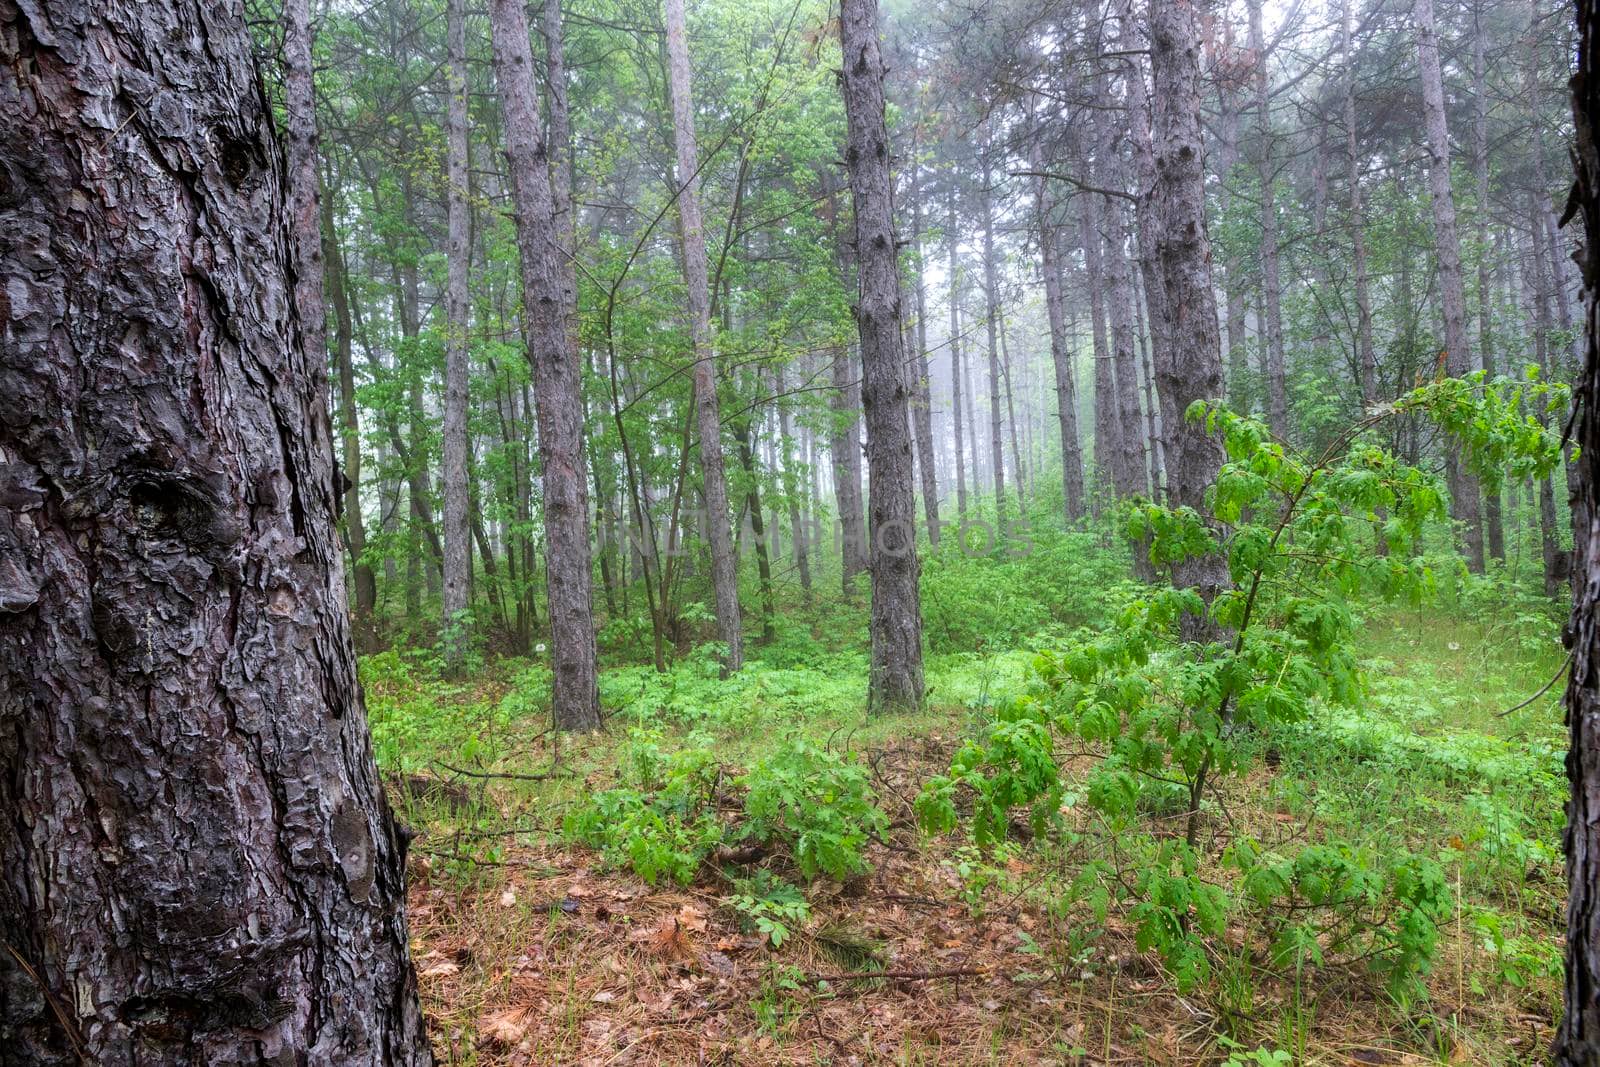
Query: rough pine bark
{"x": 1271, "y": 281}
{"x": 197, "y": 863}
{"x": 1578, "y": 1037}
{"x": 724, "y": 572}
{"x": 1464, "y": 505}
{"x": 1060, "y": 348}
{"x": 549, "y": 303}
{"x": 457, "y": 556}
{"x": 1191, "y": 369}
{"x": 896, "y": 619}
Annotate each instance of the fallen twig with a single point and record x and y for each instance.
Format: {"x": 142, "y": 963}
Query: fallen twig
{"x": 897, "y": 976}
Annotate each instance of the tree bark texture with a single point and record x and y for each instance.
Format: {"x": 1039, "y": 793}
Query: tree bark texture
{"x": 549, "y": 304}
{"x": 1464, "y": 505}
{"x": 922, "y": 400}
{"x": 197, "y": 863}
{"x": 896, "y": 619}
{"x": 1271, "y": 281}
{"x": 457, "y": 557}
{"x": 724, "y": 572}
{"x": 991, "y": 301}
{"x": 1577, "y": 1041}
{"x": 1191, "y": 369}
{"x": 1060, "y": 347}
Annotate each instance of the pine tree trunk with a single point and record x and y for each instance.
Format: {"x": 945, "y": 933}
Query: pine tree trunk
{"x": 1191, "y": 370}
{"x": 991, "y": 300}
{"x": 1480, "y": 171}
{"x": 922, "y": 411}
{"x": 366, "y": 582}
{"x": 456, "y": 489}
{"x": 1366, "y": 355}
{"x": 1060, "y": 348}
{"x": 1464, "y": 505}
{"x": 708, "y": 412}
{"x": 1107, "y": 429}
{"x": 197, "y": 863}
{"x": 954, "y": 271}
{"x": 1577, "y": 1041}
{"x": 798, "y": 533}
{"x": 896, "y": 620}
{"x": 549, "y": 305}
{"x": 1271, "y": 283}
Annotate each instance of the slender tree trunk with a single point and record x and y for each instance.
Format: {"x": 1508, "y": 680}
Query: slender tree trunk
{"x": 1271, "y": 283}
{"x": 1458, "y": 356}
{"x": 197, "y": 863}
{"x": 1191, "y": 369}
{"x": 457, "y": 253}
{"x": 549, "y": 307}
{"x": 1060, "y": 349}
{"x": 922, "y": 412}
{"x": 1538, "y": 285}
{"x": 991, "y": 300}
{"x": 1107, "y": 430}
{"x": 844, "y": 445}
{"x": 799, "y": 536}
{"x": 1154, "y": 287}
{"x": 1577, "y": 1041}
{"x": 896, "y": 621}
{"x": 366, "y": 583}
{"x": 1366, "y": 355}
{"x": 724, "y": 573}
{"x": 954, "y": 270}
{"x": 1480, "y": 171}
{"x": 1011, "y": 414}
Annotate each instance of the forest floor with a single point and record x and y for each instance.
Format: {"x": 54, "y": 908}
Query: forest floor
{"x": 531, "y": 950}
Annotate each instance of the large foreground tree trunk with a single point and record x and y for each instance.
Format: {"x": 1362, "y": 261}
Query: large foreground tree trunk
{"x": 549, "y": 303}
{"x": 896, "y": 602}
{"x": 1578, "y": 1038}
{"x": 197, "y": 864}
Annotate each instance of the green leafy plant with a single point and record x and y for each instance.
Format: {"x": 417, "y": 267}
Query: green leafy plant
{"x": 820, "y": 805}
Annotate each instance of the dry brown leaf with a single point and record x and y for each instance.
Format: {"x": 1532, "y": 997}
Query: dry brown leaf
{"x": 441, "y": 969}
{"x": 505, "y": 1028}
{"x": 692, "y": 918}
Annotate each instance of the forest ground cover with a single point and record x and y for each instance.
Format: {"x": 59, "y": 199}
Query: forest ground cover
{"x": 688, "y": 885}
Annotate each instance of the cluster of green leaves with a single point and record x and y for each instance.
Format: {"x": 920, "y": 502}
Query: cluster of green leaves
{"x": 770, "y": 906}
{"x": 663, "y": 818}
{"x": 820, "y": 805}
{"x": 660, "y": 820}
{"x": 1329, "y": 899}
{"x": 1163, "y": 712}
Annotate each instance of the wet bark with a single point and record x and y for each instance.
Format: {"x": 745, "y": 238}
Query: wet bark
{"x": 1493, "y": 526}
{"x": 549, "y": 304}
{"x": 896, "y": 619}
{"x": 197, "y": 863}
{"x": 1191, "y": 369}
{"x": 1577, "y": 1041}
